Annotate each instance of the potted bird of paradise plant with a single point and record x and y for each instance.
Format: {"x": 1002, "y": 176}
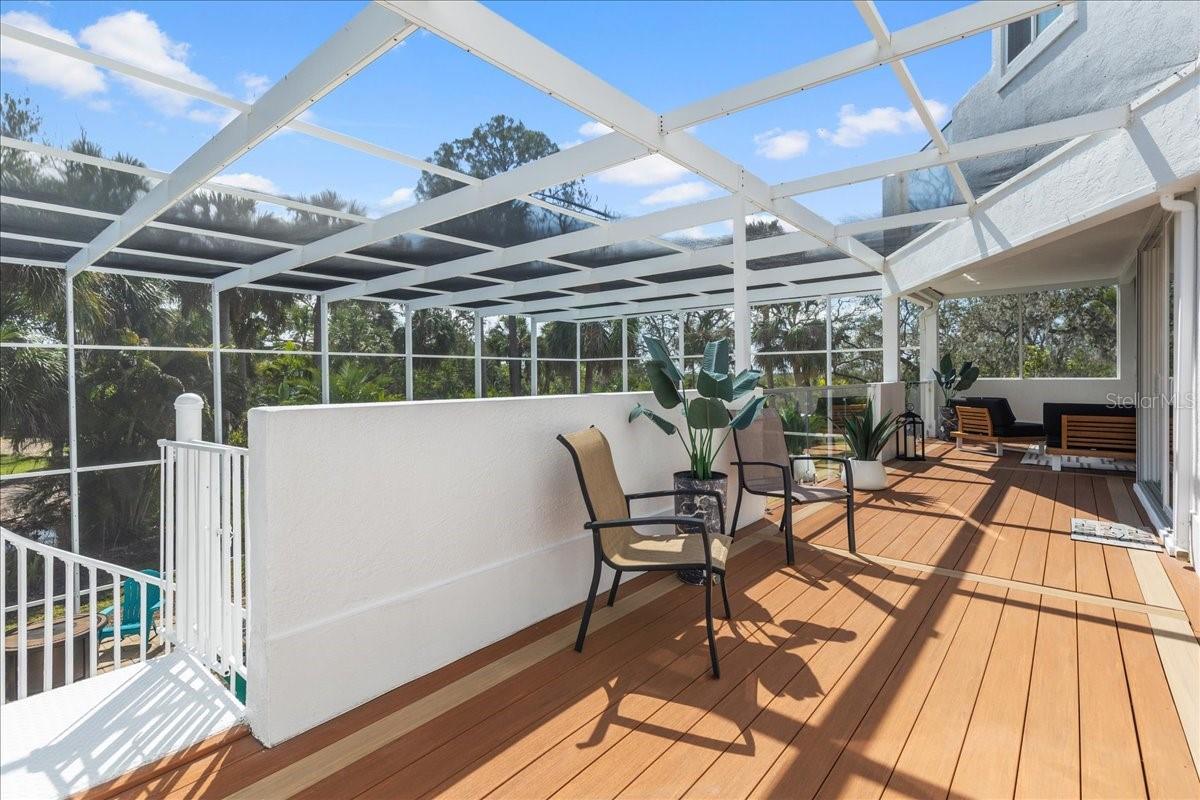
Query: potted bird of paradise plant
{"x": 707, "y": 420}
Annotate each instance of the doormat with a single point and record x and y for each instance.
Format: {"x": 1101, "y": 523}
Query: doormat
{"x": 1079, "y": 462}
{"x": 1087, "y": 530}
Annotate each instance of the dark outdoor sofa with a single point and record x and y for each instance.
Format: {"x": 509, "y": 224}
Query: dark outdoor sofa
{"x": 999, "y": 427}
{"x": 1089, "y": 429}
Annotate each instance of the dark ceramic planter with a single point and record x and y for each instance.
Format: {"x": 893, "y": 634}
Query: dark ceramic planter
{"x": 949, "y": 422}
{"x": 702, "y": 506}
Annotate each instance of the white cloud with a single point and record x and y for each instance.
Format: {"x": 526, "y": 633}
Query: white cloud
{"x": 133, "y": 37}
{"x": 854, "y": 128}
{"x": 398, "y": 199}
{"x": 569, "y": 144}
{"x": 679, "y": 193}
{"x": 71, "y": 77}
{"x": 253, "y": 85}
{"x": 248, "y": 180}
{"x": 591, "y": 129}
{"x": 649, "y": 170}
{"x": 780, "y": 145}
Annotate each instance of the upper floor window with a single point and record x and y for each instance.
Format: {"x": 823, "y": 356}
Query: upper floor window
{"x": 1020, "y": 34}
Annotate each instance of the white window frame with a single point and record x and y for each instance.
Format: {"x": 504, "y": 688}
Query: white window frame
{"x": 1007, "y": 71}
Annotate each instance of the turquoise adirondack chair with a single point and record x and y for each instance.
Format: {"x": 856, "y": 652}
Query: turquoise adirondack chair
{"x": 131, "y": 608}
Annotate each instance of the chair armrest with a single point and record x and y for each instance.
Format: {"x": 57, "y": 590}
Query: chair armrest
{"x": 760, "y": 464}
{"x": 686, "y": 522}
{"x": 677, "y": 492}
{"x": 695, "y": 523}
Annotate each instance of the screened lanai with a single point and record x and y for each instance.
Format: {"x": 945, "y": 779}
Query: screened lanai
{"x": 400, "y": 201}
{"x": 198, "y": 277}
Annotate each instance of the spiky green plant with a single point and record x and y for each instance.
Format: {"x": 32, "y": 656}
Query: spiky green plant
{"x": 705, "y": 414}
{"x": 865, "y": 436}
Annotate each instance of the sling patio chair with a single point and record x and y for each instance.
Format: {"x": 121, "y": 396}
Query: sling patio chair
{"x": 766, "y": 468}
{"x": 617, "y": 544}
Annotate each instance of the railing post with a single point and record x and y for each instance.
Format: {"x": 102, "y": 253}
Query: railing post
{"x": 189, "y": 417}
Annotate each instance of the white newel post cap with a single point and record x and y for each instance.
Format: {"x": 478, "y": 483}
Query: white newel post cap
{"x": 189, "y": 415}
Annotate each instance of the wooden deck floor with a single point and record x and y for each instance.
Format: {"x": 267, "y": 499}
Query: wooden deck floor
{"x": 1051, "y": 669}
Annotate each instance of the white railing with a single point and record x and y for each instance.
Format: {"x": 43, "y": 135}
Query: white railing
{"x": 204, "y": 552}
{"x": 63, "y": 658}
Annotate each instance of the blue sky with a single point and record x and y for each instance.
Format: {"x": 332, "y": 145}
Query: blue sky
{"x": 664, "y": 54}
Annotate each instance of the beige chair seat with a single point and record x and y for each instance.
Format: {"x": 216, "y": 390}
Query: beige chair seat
{"x": 639, "y": 551}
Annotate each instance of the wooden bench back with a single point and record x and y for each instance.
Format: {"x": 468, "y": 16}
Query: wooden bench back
{"x": 1109, "y": 434}
{"x": 975, "y": 421}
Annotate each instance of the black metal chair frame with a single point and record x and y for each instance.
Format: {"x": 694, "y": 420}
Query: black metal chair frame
{"x": 690, "y": 525}
{"x": 788, "y": 476}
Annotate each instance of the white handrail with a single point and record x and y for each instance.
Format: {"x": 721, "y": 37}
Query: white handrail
{"x": 72, "y": 565}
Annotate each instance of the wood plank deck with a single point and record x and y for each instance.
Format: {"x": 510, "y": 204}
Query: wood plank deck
{"x": 973, "y": 651}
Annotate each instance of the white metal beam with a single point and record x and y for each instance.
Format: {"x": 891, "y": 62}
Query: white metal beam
{"x": 910, "y": 219}
{"x": 187, "y": 229}
{"x": 1059, "y": 130}
{"x": 497, "y": 41}
{"x": 371, "y": 33}
{"x": 155, "y": 174}
{"x": 624, "y": 230}
{"x": 722, "y": 254}
{"x": 828, "y": 270}
{"x": 183, "y": 259}
{"x": 871, "y": 283}
{"x": 949, "y": 27}
{"x": 741, "y": 291}
{"x": 584, "y": 159}
{"x": 870, "y": 15}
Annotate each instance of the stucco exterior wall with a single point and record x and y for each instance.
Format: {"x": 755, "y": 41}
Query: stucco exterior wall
{"x": 1106, "y": 54}
{"x": 1102, "y": 177}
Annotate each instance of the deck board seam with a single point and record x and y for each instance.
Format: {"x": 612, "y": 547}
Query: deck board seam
{"x": 1008, "y": 583}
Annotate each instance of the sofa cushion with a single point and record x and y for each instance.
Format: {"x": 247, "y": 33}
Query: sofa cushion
{"x": 1023, "y": 430}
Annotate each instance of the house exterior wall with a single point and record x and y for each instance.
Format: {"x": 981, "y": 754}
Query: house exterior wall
{"x": 1100, "y": 55}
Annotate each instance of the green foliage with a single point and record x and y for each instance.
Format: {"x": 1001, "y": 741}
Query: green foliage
{"x": 801, "y": 427}
{"x": 705, "y": 414}
{"x": 951, "y": 380}
{"x": 865, "y": 436}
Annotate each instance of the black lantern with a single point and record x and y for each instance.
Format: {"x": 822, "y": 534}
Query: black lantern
{"x": 910, "y": 434}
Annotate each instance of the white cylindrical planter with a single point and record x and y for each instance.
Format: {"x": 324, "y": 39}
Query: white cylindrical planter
{"x": 189, "y": 417}
{"x": 868, "y": 475}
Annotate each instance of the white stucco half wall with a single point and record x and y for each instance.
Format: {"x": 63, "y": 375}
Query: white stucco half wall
{"x": 1084, "y": 183}
{"x": 390, "y": 539}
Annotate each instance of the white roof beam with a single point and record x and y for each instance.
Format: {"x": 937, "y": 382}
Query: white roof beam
{"x": 782, "y": 294}
{"x": 146, "y": 172}
{"x": 631, "y": 270}
{"x": 871, "y": 16}
{"x": 624, "y": 230}
{"x": 1045, "y": 133}
{"x": 584, "y": 159}
{"x": 949, "y": 27}
{"x": 840, "y": 268}
{"x": 187, "y": 229}
{"x": 489, "y": 36}
{"x": 183, "y": 259}
{"x": 300, "y": 126}
{"x": 371, "y": 33}
{"x": 894, "y": 221}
